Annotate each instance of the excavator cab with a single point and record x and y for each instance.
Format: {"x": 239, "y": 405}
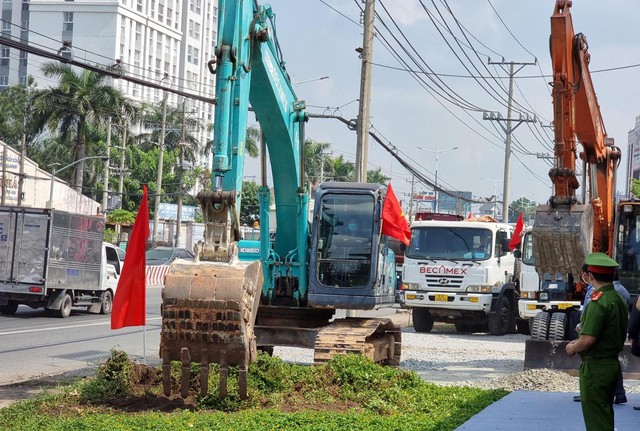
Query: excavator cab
{"x": 627, "y": 245}
{"x": 349, "y": 266}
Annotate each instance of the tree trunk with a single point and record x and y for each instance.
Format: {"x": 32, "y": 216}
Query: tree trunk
{"x": 80, "y": 153}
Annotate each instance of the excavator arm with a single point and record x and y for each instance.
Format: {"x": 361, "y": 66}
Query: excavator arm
{"x": 565, "y": 229}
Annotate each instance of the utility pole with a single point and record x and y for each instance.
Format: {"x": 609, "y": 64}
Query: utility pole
{"x": 123, "y": 155}
{"x": 413, "y": 180}
{"x": 182, "y": 144}
{"x": 23, "y": 150}
{"x": 154, "y": 239}
{"x": 105, "y": 191}
{"x": 364, "y": 111}
{"x": 508, "y": 129}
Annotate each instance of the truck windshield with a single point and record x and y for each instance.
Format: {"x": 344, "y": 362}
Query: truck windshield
{"x": 344, "y": 239}
{"x": 527, "y": 250}
{"x": 450, "y": 242}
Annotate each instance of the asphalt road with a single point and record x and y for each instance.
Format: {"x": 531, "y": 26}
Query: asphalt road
{"x": 33, "y": 344}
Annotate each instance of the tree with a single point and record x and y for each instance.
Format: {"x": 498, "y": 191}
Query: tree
{"x": 635, "y": 187}
{"x": 250, "y": 207}
{"x": 522, "y": 205}
{"x": 80, "y": 99}
{"x": 314, "y": 157}
{"x": 17, "y": 116}
{"x": 252, "y": 143}
{"x": 377, "y": 177}
{"x": 341, "y": 169}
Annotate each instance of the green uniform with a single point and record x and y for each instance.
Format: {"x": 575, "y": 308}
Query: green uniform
{"x": 605, "y": 318}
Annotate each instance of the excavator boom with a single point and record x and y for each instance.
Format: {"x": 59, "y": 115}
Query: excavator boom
{"x": 565, "y": 229}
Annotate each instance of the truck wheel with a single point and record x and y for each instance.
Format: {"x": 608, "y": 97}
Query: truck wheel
{"x": 500, "y": 320}
{"x": 558, "y": 326}
{"x": 107, "y": 303}
{"x": 10, "y": 308}
{"x": 540, "y": 327}
{"x": 65, "y": 306}
{"x": 422, "y": 320}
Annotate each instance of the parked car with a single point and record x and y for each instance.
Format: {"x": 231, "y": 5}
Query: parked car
{"x": 166, "y": 255}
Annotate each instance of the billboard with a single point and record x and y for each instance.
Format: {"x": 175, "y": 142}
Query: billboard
{"x": 170, "y": 212}
{"x": 453, "y": 204}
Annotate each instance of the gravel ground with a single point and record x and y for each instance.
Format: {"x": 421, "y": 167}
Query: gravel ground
{"x": 480, "y": 360}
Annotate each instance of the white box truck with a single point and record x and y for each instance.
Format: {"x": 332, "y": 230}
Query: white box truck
{"x": 460, "y": 272}
{"x": 56, "y": 260}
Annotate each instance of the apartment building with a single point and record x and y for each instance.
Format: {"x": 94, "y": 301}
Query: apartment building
{"x": 162, "y": 41}
{"x": 633, "y": 155}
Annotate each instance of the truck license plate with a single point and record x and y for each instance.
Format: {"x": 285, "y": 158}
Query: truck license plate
{"x": 443, "y": 298}
{"x": 564, "y": 305}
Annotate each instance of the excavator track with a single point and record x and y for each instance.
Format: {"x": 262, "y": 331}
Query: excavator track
{"x": 208, "y": 316}
{"x": 377, "y": 339}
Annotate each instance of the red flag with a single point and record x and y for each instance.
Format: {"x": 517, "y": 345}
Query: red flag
{"x": 516, "y": 238}
{"x": 130, "y": 301}
{"x": 393, "y": 222}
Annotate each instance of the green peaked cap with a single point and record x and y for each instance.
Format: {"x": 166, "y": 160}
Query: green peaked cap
{"x": 600, "y": 259}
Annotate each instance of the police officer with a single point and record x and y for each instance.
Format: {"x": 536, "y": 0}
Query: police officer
{"x": 603, "y": 331}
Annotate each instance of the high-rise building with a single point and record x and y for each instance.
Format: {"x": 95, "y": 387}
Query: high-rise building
{"x": 633, "y": 155}
{"x": 161, "y": 41}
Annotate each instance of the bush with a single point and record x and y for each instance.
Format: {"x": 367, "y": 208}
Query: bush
{"x": 113, "y": 379}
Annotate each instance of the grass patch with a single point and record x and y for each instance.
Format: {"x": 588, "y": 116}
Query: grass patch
{"x": 348, "y": 392}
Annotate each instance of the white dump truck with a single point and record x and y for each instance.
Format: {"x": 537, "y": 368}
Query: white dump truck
{"x": 460, "y": 272}
{"x": 56, "y": 260}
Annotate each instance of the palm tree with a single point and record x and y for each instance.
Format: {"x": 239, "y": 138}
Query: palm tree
{"x": 377, "y": 177}
{"x": 314, "y": 158}
{"x": 78, "y": 100}
{"x": 252, "y": 141}
{"x": 342, "y": 169}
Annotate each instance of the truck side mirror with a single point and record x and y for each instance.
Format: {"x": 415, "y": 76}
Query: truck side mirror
{"x": 504, "y": 246}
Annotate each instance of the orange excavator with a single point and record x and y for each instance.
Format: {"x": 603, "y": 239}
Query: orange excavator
{"x": 567, "y": 229}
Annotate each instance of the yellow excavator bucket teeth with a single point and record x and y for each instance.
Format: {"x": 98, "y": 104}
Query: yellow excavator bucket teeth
{"x": 208, "y": 316}
{"x": 562, "y": 238}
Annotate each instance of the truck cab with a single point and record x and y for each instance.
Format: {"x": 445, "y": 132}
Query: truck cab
{"x": 460, "y": 272}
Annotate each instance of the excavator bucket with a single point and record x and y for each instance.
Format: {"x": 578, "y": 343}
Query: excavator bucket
{"x": 562, "y": 238}
{"x": 208, "y": 316}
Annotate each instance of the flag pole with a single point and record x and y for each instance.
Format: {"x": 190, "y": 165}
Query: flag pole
{"x": 144, "y": 343}
{"x": 144, "y": 327}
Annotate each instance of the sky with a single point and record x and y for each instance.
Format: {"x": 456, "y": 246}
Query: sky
{"x": 319, "y": 38}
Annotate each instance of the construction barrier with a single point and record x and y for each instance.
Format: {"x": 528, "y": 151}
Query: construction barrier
{"x": 155, "y": 274}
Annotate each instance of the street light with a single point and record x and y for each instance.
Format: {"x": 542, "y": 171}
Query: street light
{"x": 437, "y": 152}
{"x": 295, "y": 85}
{"x": 54, "y": 170}
{"x": 160, "y": 161}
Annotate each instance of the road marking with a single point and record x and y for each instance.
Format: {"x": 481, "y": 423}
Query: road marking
{"x": 55, "y": 328}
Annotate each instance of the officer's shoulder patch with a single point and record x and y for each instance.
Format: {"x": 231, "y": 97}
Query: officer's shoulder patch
{"x": 595, "y": 296}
